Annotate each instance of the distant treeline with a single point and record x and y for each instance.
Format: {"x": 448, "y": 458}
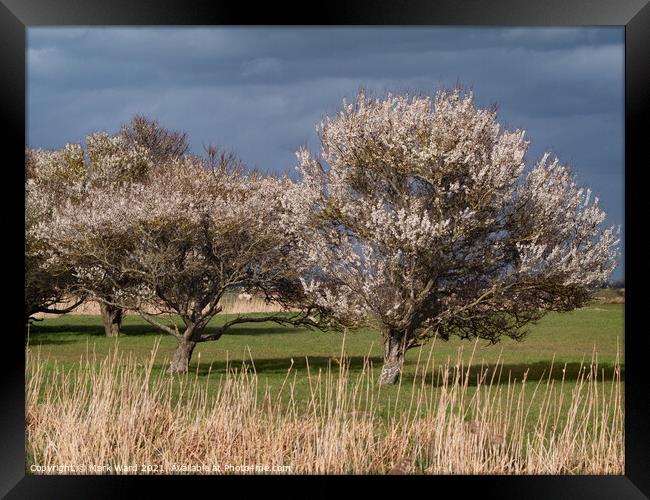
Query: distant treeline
{"x": 615, "y": 284}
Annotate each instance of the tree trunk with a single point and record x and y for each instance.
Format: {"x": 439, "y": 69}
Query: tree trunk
{"x": 112, "y": 317}
{"x": 394, "y": 350}
{"x": 181, "y": 359}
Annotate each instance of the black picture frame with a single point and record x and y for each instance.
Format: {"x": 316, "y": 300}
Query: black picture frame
{"x": 634, "y": 15}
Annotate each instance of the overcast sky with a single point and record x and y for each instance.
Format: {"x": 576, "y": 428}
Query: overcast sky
{"x": 261, "y": 91}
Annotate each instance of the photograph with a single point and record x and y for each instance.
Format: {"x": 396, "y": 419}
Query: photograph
{"x": 325, "y": 250}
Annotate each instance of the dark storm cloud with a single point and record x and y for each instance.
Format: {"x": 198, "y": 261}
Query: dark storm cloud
{"x": 260, "y": 91}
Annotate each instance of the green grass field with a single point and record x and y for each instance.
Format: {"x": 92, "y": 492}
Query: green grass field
{"x": 568, "y": 338}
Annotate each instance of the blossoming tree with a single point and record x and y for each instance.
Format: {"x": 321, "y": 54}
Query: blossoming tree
{"x": 75, "y": 172}
{"x": 49, "y": 176}
{"x": 420, "y": 218}
{"x": 163, "y": 144}
{"x": 176, "y": 241}
{"x": 129, "y": 156}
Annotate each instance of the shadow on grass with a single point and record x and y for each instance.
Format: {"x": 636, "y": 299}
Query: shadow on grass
{"x": 40, "y": 333}
{"x": 85, "y": 329}
{"x": 73, "y": 334}
{"x": 261, "y": 330}
{"x": 515, "y": 371}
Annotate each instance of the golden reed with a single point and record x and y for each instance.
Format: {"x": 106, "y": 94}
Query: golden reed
{"x": 116, "y": 412}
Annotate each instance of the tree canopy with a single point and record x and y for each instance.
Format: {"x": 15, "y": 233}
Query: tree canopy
{"x": 420, "y": 218}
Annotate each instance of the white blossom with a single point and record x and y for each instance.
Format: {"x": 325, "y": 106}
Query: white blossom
{"x": 418, "y": 217}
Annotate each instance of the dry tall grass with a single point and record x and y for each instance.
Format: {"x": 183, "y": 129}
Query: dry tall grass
{"x": 113, "y": 412}
{"x": 230, "y": 303}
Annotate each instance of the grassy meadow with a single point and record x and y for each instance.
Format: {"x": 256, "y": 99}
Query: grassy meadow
{"x": 451, "y": 385}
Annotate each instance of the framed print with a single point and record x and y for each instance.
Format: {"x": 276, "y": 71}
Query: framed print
{"x": 388, "y": 240}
